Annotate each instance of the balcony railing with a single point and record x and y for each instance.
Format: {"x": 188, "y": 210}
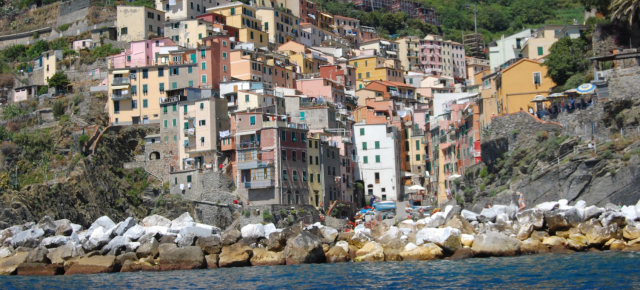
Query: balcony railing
{"x": 260, "y": 184}
{"x": 190, "y": 132}
{"x": 120, "y": 96}
{"x": 252, "y": 164}
{"x": 120, "y": 81}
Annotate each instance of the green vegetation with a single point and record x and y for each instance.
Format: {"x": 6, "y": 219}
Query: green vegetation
{"x": 64, "y": 27}
{"x": 138, "y": 181}
{"x": 266, "y": 216}
{"x": 566, "y": 61}
{"x": 59, "y": 81}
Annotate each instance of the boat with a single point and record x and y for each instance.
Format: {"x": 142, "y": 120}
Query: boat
{"x": 385, "y": 205}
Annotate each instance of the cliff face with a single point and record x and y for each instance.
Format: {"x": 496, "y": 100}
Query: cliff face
{"x": 97, "y": 186}
{"x": 547, "y": 162}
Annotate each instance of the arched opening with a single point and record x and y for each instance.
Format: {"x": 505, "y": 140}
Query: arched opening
{"x": 155, "y": 155}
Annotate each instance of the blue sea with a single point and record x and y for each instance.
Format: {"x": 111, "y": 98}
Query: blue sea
{"x": 603, "y": 270}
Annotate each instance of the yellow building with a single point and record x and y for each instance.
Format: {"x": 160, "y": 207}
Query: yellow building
{"x": 537, "y": 47}
{"x": 409, "y": 53}
{"x": 138, "y": 23}
{"x": 135, "y": 93}
{"x": 309, "y": 62}
{"x": 243, "y": 17}
{"x": 519, "y": 83}
{"x": 281, "y": 25}
{"x": 488, "y": 97}
{"x": 325, "y": 21}
{"x": 371, "y": 68}
{"x": 49, "y": 63}
{"x": 316, "y": 193}
{"x": 188, "y": 33}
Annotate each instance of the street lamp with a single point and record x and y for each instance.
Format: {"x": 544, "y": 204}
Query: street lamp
{"x": 475, "y": 16}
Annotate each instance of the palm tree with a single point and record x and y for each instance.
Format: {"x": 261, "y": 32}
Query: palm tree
{"x": 625, "y": 10}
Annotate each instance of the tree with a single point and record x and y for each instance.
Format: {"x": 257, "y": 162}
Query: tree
{"x": 58, "y": 80}
{"x": 566, "y": 58}
{"x": 625, "y": 10}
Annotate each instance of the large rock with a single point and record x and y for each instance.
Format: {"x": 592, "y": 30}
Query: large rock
{"x": 391, "y": 235}
{"x": 252, "y": 231}
{"x": 39, "y": 269}
{"x": 60, "y": 254}
{"x": 495, "y": 244}
{"x": 562, "y": 219}
{"x": 460, "y": 254}
{"x": 533, "y": 217}
{"x": 262, "y": 257}
{"x": 305, "y": 248}
{"x": 433, "y": 221}
{"x": 447, "y": 238}
{"x": 9, "y": 264}
{"x": 38, "y": 255}
{"x": 92, "y": 265}
{"x": 487, "y": 215}
{"x": 359, "y": 239}
{"x": 629, "y": 213}
{"x": 186, "y": 258}
{"x": 230, "y": 237}
{"x": 156, "y": 220}
{"x": 135, "y": 232}
{"x": 55, "y": 241}
{"x": 457, "y": 222}
{"x": 615, "y": 245}
{"x": 548, "y": 206}
{"x": 613, "y": 217}
{"x": 115, "y": 246}
{"x": 212, "y": 261}
{"x": 137, "y": 266}
{"x": 63, "y": 227}
{"x": 370, "y": 252}
{"x": 469, "y": 215}
{"x": 466, "y": 240}
{"x": 533, "y": 246}
{"x": 577, "y": 242}
{"x": 276, "y": 242}
{"x": 236, "y": 255}
{"x": 592, "y": 212}
{"x": 428, "y": 251}
{"x": 47, "y": 224}
{"x": 148, "y": 249}
{"x": 554, "y": 241}
{"x": 269, "y": 228}
{"x": 210, "y": 245}
{"x": 29, "y": 238}
{"x": 338, "y": 254}
{"x": 597, "y": 235}
{"x": 98, "y": 238}
{"x": 104, "y": 221}
{"x": 184, "y": 220}
{"x": 123, "y": 226}
{"x": 329, "y": 234}
{"x": 631, "y": 231}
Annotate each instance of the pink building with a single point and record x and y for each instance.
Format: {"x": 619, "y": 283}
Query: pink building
{"x": 431, "y": 55}
{"x": 341, "y": 73}
{"x": 83, "y": 44}
{"x": 142, "y": 53}
{"x": 322, "y": 88}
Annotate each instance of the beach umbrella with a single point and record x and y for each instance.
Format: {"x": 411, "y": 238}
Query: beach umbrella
{"x": 586, "y": 88}
{"x": 571, "y": 91}
{"x": 539, "y": 99}
{"x": 416, "y": 187}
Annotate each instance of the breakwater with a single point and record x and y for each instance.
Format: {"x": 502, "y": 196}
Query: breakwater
{"x": 51, "y": 247}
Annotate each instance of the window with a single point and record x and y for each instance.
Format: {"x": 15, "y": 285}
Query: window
{"x": 377, "y": 177}
{"x": 294, "y": 137}
{"x": 407, "y": 158}
{"x": 377, "y": 144}
{"x": 161, "y": 86}
{"x": 202, "y": 106}
{"x": 361, "y": 131}
{"x": 536, "y": 78}
{"x": 204, "y": 79}
{"x": 188, "y": 178}
{"x": 145, "y": 90}
{"x": 175, "y": 122}
{"x": 302, "y": 116}
{"x": 233, "y": 12}
{"x": 365, "y": 159}
{"x": 186, "y": 125}
{"x": 174, "y": 85}
{"x": 294, "y": 155}
{"x": 203, "y": 53}
{"x": 190, "y": 84}
{"x": 224, "y": 55}
{"x": 304, "y": 157}
{"x": 540, "y": 50}
{"x": 377, "y": 158}
{"x": 246, "y": 98}
{"x": 166, "y": 123}
{"x": 295, "y": 175}
{"x": 123, "y": 31}
{"x": 145, "y": 73}
{"x": 310, "y": 177}
{"x": 417, "y": 144}
{"x": 368, "y": 75}
{"x": 203, "y": 65}
{"x": 160, "y": 72}
{"x": 317, "y": 160}
{"x": 252, "y": 120}
{"x": 175, "y": 107}
{"x": 202, "y": 141}
{"x": 189, "y": 69}
{"x": 145, "y": 103}
{"x": 134, "y": 90}
{"x": 284, "y": 154}
{"x": 364, "y": 145}
{"x": 283, "y": 136}
{"x": 203, "y": 122}
{"x": 184, "y": 108}
{"x": 417, "y": 157}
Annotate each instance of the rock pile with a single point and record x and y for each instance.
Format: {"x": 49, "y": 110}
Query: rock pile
{"x": 53, "y": 247}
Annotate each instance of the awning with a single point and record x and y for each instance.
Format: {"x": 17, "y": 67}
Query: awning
{"x": 391, "y": 52}
{"x": 120, "y": 87}
{"x": 539, "y": 99}
{"x": 121, "y": 71}
{"x": 454, "y": 176}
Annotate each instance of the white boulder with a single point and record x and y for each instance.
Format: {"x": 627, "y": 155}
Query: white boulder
{"x": 581, "y": 204}
{"x": 104, "y": 221}
{"x": 269, "y": 228}
{"x": 123, "y": 226}
{"x": 344, "y": 245}
{"x": 488, "y": 214}
{"x": 447, "y": 238}
{"x": 156, "y": 220}
{"x": 253, "y": 231}
{"x": 469, "y": 215}
{"x": 548, "y": 206}
{"x": 134, "y": 232}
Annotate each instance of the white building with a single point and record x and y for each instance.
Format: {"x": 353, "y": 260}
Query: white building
{"x": 507, "y": 48}
{"x": 183, "y": 9}
{"x": 378, "y": 156}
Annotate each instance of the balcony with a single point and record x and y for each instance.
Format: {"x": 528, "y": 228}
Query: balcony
{"x": 190, "y": 132}
{"x": 120, "y": 96}
{"x": 120, "y": 81}
{"x": 257, "y": 184}
{"x": 248, "y": 145}
{"x": 252, "y": 164}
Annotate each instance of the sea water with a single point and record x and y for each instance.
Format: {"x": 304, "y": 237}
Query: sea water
{"x": 610, "y": 270}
